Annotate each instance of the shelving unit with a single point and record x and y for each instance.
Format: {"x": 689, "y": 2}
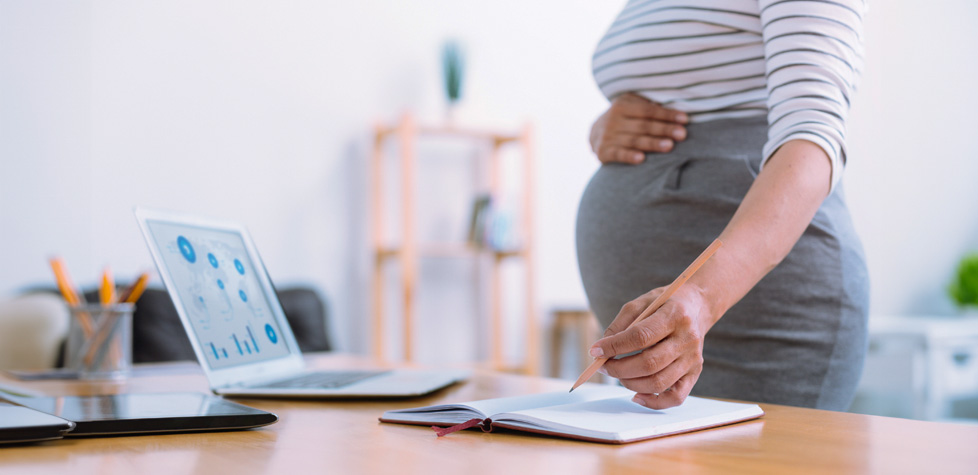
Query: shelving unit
{"x": 408, "y": 251}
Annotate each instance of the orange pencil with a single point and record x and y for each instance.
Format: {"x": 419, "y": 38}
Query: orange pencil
{"x": 106, "y": 291}
{"x": 663, "y": 297}
{"x": 67, "y": 289}
{"x": 108, "y": 297}
{"x": 132, "y": 294}
{"x": 64, "y": 282}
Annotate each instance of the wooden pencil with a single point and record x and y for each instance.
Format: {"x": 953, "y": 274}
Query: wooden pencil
{"x": 106, "y": 291}
{"x": 132, "y": 294}
{"x": 69, "y": 293}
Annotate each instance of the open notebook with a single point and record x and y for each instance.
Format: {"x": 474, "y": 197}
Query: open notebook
{"x": 594, "y": 413}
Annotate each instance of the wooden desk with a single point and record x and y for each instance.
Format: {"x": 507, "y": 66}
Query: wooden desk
{"x": 345, "y": 437}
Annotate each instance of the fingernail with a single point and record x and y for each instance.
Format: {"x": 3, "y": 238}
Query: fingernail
{"x": 665, "y": 143}
{"x": 638, "y": 401}
{"x": 603, "y": 371}
{"x": 682, "y": 117}
{"x": 638, "y": 157}
{"x": 597, "y": 352}
{"x": 679, "y": 134}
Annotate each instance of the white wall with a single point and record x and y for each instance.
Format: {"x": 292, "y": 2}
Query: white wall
{"x": 913, "y": 175}
{"x": 45, "y": 138}
{"x": 259, "y": 112}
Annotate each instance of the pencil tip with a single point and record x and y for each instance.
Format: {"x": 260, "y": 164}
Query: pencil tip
{"x": 572, "y": 390}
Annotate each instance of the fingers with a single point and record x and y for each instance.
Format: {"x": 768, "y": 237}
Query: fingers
{"x": 667, "y": 346}
{"x": 661, "y": 376}
{"x": 643, "y": 142}
{"x": 631, "y": 105}
{"x": 673, "y": 396}
{"x": 631, "y": 149}
{"x": 655, "y": 129}
{"x": 634, "y": 126}
{"x": 635, "y": 338}
{"x": 621, "y": 155}
{"x": 659, "y": 382}
{"x": 628, "y": 140}
{"x": 649, "y": 362}
{"x": 631, "y": 310}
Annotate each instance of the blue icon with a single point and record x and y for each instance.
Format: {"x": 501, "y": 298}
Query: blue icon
{"x": 238, "y": 265}
{"x": 210, "y": 257}
{"x": 220, "y": 284}
{"x": 244, "y": 298}
{"x": 271, "y": 333}
{"x": 186, "y": 249}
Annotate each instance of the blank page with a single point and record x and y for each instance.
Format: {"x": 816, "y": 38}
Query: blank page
{"x": 588, "y": 392}
{"x": 621, "y": 419}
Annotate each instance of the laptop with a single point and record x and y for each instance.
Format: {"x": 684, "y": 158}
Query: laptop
{"x": 235, "y": 322}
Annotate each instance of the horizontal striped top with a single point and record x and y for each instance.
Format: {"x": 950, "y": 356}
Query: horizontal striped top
{"x": 795, "y": 60}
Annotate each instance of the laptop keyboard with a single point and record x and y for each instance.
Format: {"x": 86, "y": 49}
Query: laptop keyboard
{"x": 322, "y": 380}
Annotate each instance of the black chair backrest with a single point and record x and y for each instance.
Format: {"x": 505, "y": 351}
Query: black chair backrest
{"x": 158, "y": 335}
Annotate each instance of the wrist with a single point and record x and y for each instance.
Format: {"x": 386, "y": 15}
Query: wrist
{"x": 706, "y": 304}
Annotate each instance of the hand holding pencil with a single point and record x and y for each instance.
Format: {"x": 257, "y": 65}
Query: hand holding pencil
{"x": 663, "y": 374}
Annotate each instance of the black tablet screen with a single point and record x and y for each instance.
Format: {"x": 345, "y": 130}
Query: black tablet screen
{"x": 158, "y": 412}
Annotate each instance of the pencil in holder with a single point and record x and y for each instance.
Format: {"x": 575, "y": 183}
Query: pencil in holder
{"x": 99, "y": 342}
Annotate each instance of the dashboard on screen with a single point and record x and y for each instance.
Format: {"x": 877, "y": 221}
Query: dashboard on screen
{"x": 218, "y": 288}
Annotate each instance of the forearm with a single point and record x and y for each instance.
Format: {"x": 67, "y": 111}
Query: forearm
{"x": 769, "y": 221}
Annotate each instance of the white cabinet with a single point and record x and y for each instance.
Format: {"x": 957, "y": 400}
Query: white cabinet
{"x": 918, "y": 367}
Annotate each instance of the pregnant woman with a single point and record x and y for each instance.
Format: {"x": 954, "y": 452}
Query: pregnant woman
{"x": 727, "y": 119}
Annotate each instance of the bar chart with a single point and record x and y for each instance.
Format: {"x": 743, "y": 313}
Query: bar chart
{"x": 244, "y": 345}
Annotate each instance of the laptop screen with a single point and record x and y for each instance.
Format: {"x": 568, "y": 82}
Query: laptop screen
{"x": 219, "y": 290}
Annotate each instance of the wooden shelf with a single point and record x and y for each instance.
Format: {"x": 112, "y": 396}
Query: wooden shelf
{"x": 500, "y": 138}
{"x": 450, "y": 251}
{"x": 408, "y": 251}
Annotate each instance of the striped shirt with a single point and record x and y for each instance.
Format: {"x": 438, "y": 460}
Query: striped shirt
{"x": 795, "y": 60}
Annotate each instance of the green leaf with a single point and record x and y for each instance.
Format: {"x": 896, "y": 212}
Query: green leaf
{"x": 964, "y": 286}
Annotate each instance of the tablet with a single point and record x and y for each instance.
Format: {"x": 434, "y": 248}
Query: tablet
{"x": 143, "y": 413}
{"x": 22, "y": 424}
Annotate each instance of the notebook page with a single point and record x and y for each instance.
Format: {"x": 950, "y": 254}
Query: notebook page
{"x": 460, "y": 412}
{"x": 621, "y": 419}
{"x": 584, "y": 393}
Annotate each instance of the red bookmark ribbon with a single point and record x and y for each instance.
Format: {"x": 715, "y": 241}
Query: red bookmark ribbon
{"x": 443, "y": 431}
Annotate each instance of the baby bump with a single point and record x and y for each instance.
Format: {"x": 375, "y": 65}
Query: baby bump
{"x": 639, "y": 226}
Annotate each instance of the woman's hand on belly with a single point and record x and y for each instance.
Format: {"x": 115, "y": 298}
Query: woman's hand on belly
{"x": 672, "y": 339}
{"x": 633, "y": 126}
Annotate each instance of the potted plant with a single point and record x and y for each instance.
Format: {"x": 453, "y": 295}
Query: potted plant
{"x": 453, "y": 64}
{"x": 964, "y": 286}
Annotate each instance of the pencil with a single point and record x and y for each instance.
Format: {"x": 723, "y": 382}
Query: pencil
{"x": 64, "y": 281}
{"x": 106, "y": 291}
{"x": 69, "y": 293}
{"x": 132, "y": 294}
{"x": 658, "y": 302}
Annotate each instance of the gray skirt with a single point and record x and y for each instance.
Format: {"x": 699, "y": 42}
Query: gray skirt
{"x": 799, "y": 336}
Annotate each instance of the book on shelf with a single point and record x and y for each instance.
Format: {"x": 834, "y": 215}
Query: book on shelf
{"x": 492, "y": 226}
{"x": 595, "y": 413}
{"x": 479, "y": 220}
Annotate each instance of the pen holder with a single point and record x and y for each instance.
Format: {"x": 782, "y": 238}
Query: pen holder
{"x": 99, "y": 342}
